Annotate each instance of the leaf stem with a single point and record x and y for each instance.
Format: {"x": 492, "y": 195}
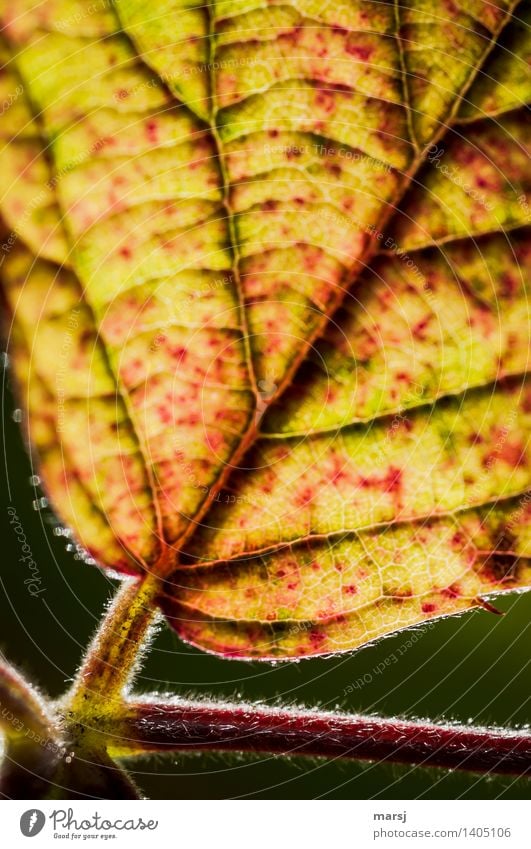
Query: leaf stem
{"x": 116, "y": 649}
{"x": 191, "y": 726}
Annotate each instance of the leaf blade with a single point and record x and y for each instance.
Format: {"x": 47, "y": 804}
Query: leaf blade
{"x": 176, "y": 193}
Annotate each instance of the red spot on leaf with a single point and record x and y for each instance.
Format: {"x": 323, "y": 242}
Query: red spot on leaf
{"x": 304, "y": 497}
{"x": 453, "y": 591}
{"x": 513, "y": 454}
{"x": 152, "y": 131}
{"x": 179, "y": 352}
{"x": 362, "y": 53}
{"x": 164, "y": 414}
{"x": 420, "y": 327}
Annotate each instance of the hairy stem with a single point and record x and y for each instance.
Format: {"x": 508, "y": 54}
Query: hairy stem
{"x": 125, "y": 727}
{"x": 24, "y": 712}
{"x": 33, "y": 745}
{"x": 192, "y": 726}
{"x": 116, "y": 648}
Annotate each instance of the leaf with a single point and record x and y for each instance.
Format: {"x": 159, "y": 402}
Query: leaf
{"x": 28, "y": 201}
{"x": 297, "y": 315}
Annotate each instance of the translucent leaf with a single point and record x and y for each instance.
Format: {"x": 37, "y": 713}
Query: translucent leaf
{"x": 287, "y": 368}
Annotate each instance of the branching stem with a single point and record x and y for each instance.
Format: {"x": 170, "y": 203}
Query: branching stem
{"x": 190, "y": 726}
{"x": 126, "y": 727}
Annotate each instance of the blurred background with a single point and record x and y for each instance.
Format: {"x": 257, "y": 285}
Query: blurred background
{"x": 473, "y": 668}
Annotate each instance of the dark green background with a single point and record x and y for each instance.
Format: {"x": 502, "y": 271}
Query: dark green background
{"x": 475, "y": 667}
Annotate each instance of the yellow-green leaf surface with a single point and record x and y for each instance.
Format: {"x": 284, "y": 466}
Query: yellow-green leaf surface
{"x": 27, "y": 200}
{"x": 271, "y": 308}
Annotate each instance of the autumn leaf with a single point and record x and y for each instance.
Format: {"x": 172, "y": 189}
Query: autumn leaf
{"x": 267, "y": 268}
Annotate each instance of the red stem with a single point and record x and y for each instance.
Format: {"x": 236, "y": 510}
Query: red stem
{"x": 192, "y": 726}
